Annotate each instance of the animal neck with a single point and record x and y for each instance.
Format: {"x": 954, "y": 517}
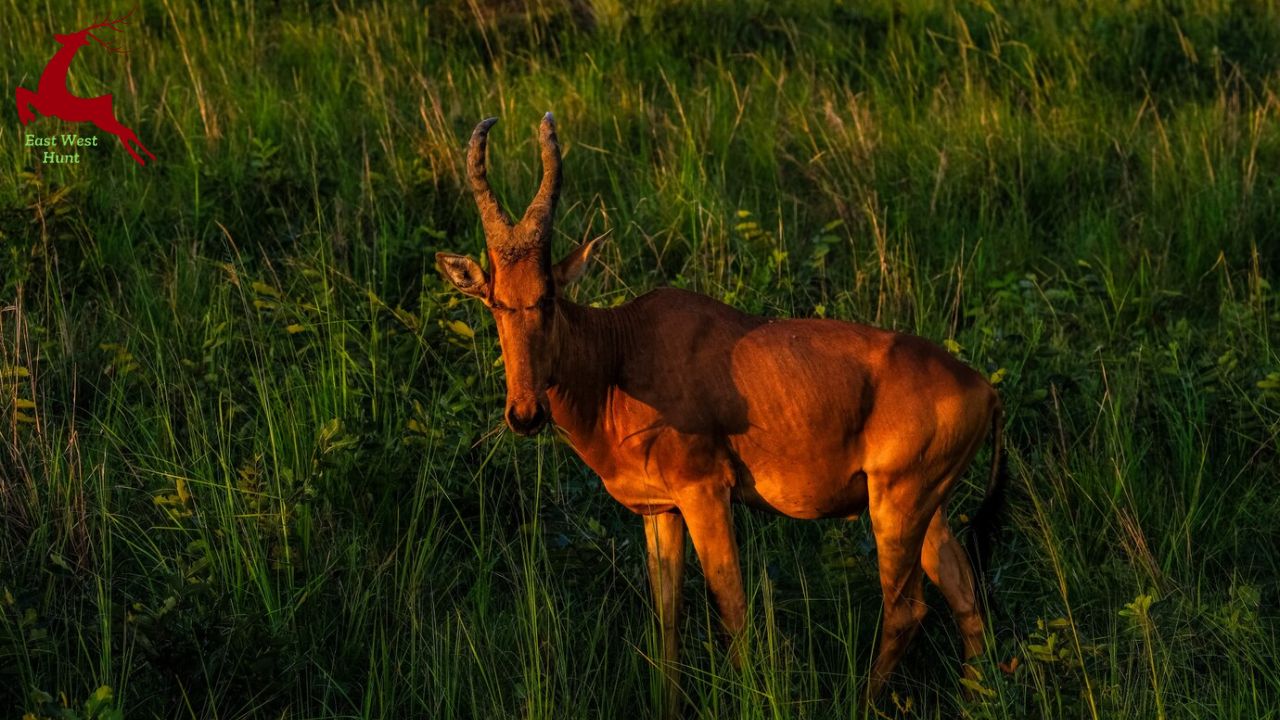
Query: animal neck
{"x": 590, "y": 347}
{"x": 54, "y": 77}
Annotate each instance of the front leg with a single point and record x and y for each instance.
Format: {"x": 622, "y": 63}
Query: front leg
{"x": 664, "y": 536}
{"x": 25, "y": 99}
{"x": 706, "y": 510}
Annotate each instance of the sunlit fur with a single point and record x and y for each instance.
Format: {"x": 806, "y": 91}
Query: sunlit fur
{"x": 683, "y": 405}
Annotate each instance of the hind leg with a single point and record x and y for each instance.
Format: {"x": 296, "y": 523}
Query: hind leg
{"x": 134, "y": 139}
{"x": 899, "y": 518}
{"x": 128, "y": 140}
{"x": 129, "y": 148}
{"x": 947, "y": 566}
{"x": 123, "y": 134}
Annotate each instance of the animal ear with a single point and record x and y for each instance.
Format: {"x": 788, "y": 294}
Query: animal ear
{"x": 570, "y": 268}
{"x": 464, "y": 273}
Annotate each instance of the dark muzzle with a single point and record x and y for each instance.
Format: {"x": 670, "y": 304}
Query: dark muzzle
{"x": 527, "y": 421}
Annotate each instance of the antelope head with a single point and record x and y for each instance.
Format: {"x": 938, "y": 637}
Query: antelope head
{"x": 522, "y": 286}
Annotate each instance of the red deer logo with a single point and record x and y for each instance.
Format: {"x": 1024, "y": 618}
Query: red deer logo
{"x": 53, "y": 98}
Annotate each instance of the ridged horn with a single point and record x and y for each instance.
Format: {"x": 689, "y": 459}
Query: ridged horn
{"x": 491, "y": 213}
{"x": 543, "y": 208}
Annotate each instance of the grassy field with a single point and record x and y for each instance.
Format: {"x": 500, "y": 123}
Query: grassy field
{"x": 252, "y": 461}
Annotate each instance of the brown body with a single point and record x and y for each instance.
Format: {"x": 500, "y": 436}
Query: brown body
{"x": 683, "y": 405}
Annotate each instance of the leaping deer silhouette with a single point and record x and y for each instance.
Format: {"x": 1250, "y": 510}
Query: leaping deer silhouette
{"x": 53, "y": 98}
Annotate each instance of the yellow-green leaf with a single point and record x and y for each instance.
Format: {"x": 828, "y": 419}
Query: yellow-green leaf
{"x": 264, "y": 289}
{"x": 330, "y": 430}
{"x": 407, "y": 318}
{"x": 9, "y": 372}
{"x": 978, "y": 687}
{"x": 460, "y": 328}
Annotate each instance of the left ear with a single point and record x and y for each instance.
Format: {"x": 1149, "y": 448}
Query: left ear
{"x": 464, "y": 274}
{"x": 570, "y": 268}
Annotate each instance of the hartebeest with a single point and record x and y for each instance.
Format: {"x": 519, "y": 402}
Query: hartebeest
{"x": 683, "y": 405}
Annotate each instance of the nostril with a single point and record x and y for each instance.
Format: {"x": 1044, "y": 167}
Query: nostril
{"x": 526, "y": 424}
{"x": 517, "y": 421}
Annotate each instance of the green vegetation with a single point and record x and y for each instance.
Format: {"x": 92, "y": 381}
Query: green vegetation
{"x": 251, "y": 457}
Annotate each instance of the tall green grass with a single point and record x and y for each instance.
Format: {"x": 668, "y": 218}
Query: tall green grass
{"x": 251, "y": 456}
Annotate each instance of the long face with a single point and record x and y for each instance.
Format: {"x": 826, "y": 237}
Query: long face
{"x": 523, "y": 305}
{"x": 521, "y": 288}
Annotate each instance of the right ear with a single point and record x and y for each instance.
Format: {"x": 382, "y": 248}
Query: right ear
{"x": 571, "y": 266}
{"x": 464, "y": 273}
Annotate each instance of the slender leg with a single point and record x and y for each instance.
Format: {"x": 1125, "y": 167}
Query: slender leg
{"x": 133, "y": 138}
{"x": 706, "y": 510}
{"x": 125, "y": 143}
{"x": 898, "y": 522}
{"x": 948, "y": 567}
{"x": 25, "y": 99}
{"x": 126, "y": 136}
{"x": 664, "y": 536}
{"x": 144, "y": 148}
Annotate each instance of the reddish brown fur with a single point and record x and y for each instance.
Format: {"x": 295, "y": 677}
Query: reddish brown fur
{"x": 683, "y": 404}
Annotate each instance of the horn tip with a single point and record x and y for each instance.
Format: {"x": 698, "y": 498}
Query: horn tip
{"x": 486, "y": 124}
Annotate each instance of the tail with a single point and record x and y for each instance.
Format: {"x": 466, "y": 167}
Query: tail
{"x": 986, "y": 522}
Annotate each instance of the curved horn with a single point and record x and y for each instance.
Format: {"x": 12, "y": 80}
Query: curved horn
{"x": 543, "y": 206}
{"x": 491, "y": 212}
